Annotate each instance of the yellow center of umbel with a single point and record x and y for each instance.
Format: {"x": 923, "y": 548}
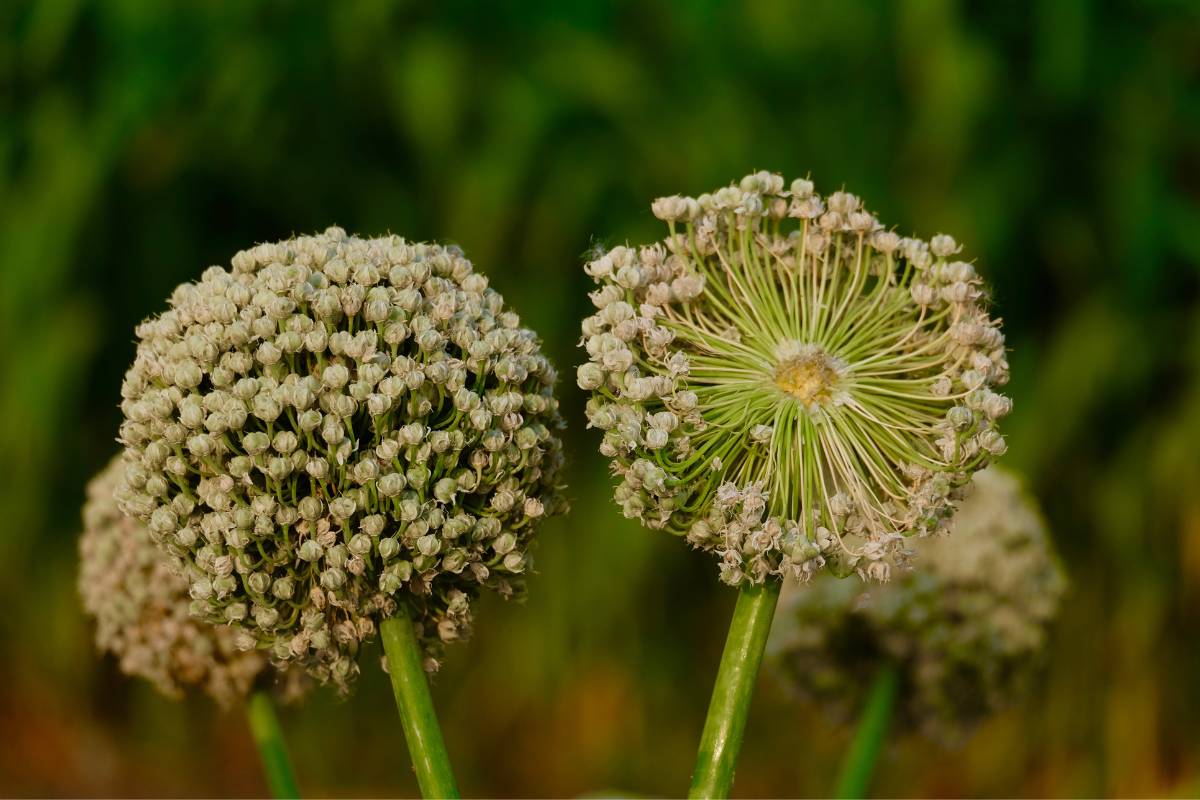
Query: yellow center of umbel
{"x": 811, "y": 377}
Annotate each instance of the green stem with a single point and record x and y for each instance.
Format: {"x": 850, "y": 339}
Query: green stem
{"x": 415, "y": 704}
{"x": 268, "y": 735}
{"x": 868, "y": 739}
{"x": 733, "y": 690}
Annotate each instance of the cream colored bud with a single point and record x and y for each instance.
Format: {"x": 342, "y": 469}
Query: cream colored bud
{"x": 943, "y": 245}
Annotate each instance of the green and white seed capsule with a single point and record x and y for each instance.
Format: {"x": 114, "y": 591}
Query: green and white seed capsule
{"x": 265, "y": 616}
{"x": 224, "y": 586}
{"x": 283, "y": 588}
{"x": 311, "y": 551}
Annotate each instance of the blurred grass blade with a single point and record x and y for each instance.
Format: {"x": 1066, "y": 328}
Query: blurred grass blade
{"x": 268, "y": 735}
{"x": 859, "y": 765}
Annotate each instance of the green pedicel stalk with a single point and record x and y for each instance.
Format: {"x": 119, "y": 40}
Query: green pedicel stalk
{"x": 415, "y": 704}
{"x": 859, "y": 765}
{"x": 734, "y": 690}
{"x": 268, "y": 735}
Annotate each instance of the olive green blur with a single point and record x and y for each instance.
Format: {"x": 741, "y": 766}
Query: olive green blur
{"x": 141, "y": 142}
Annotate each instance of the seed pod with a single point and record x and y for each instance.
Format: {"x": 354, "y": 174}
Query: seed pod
{"x": 966, "y": 630}
{"x": 791, "y": 361}
{"x": 140, "y": 605}
{"x": 358, "y": 429}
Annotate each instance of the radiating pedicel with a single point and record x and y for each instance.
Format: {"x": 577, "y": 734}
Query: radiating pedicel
{"x": 788, "y": 383}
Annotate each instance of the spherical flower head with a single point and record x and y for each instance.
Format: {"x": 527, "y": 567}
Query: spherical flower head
{"x": 333, "y": 425}
{"x": 141, "y": 606}
{"x": 787, "y": 383}
{"x": 966, "y": 631}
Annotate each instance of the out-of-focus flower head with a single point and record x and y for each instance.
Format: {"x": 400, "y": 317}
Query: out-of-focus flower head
{"x": 333, "y": 425}
{"x": 966, "y": 630}
{"x": 789, "y": 384}
{"x": 141, "y": 606}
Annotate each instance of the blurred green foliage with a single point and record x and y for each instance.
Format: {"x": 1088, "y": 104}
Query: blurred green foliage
{"x": 141, "y": 142}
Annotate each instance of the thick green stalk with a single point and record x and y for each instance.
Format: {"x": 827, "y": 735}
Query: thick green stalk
{"x": 415, "y": 704}
{"x": 733, "y": 690}
{"x": 868, "y": 739}
{"x": 268, "y": 735}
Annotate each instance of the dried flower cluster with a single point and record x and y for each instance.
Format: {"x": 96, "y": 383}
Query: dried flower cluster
{"x": 966, "y": 630}
{"x": 787, "y": 383}
{"x": 141, "y": 606}
{"x": 334, "y": 425}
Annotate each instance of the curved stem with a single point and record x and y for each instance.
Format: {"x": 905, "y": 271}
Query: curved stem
{"x": 268, "y": 735}
{"x": 733, "y": 690}
{"x": 860, "y": 761}
{"x": 430, "y": 761}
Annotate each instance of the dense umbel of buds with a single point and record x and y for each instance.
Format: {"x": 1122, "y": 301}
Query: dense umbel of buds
{"x": 141, "y": 606}
{"x": 336, "y": 424}
{"x": 787, "y": 383}
{"x": 965, "y": 631}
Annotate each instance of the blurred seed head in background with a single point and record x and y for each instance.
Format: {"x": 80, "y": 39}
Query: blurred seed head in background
{"x": 967, "y": 628}
{"x": 140, "y": 606}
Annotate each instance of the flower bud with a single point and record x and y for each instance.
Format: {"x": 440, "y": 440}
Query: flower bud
{"x": 445, "y": 489}
{"x": 333, "y": 579}
{"x": 388, "y": 548}
{"x": 311, "y": 550}
{"x": 259, "y": 582}
{"x": 283, "y": 588}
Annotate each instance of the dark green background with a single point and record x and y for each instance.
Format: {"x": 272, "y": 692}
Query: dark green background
{"x": 143, "y": 141}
